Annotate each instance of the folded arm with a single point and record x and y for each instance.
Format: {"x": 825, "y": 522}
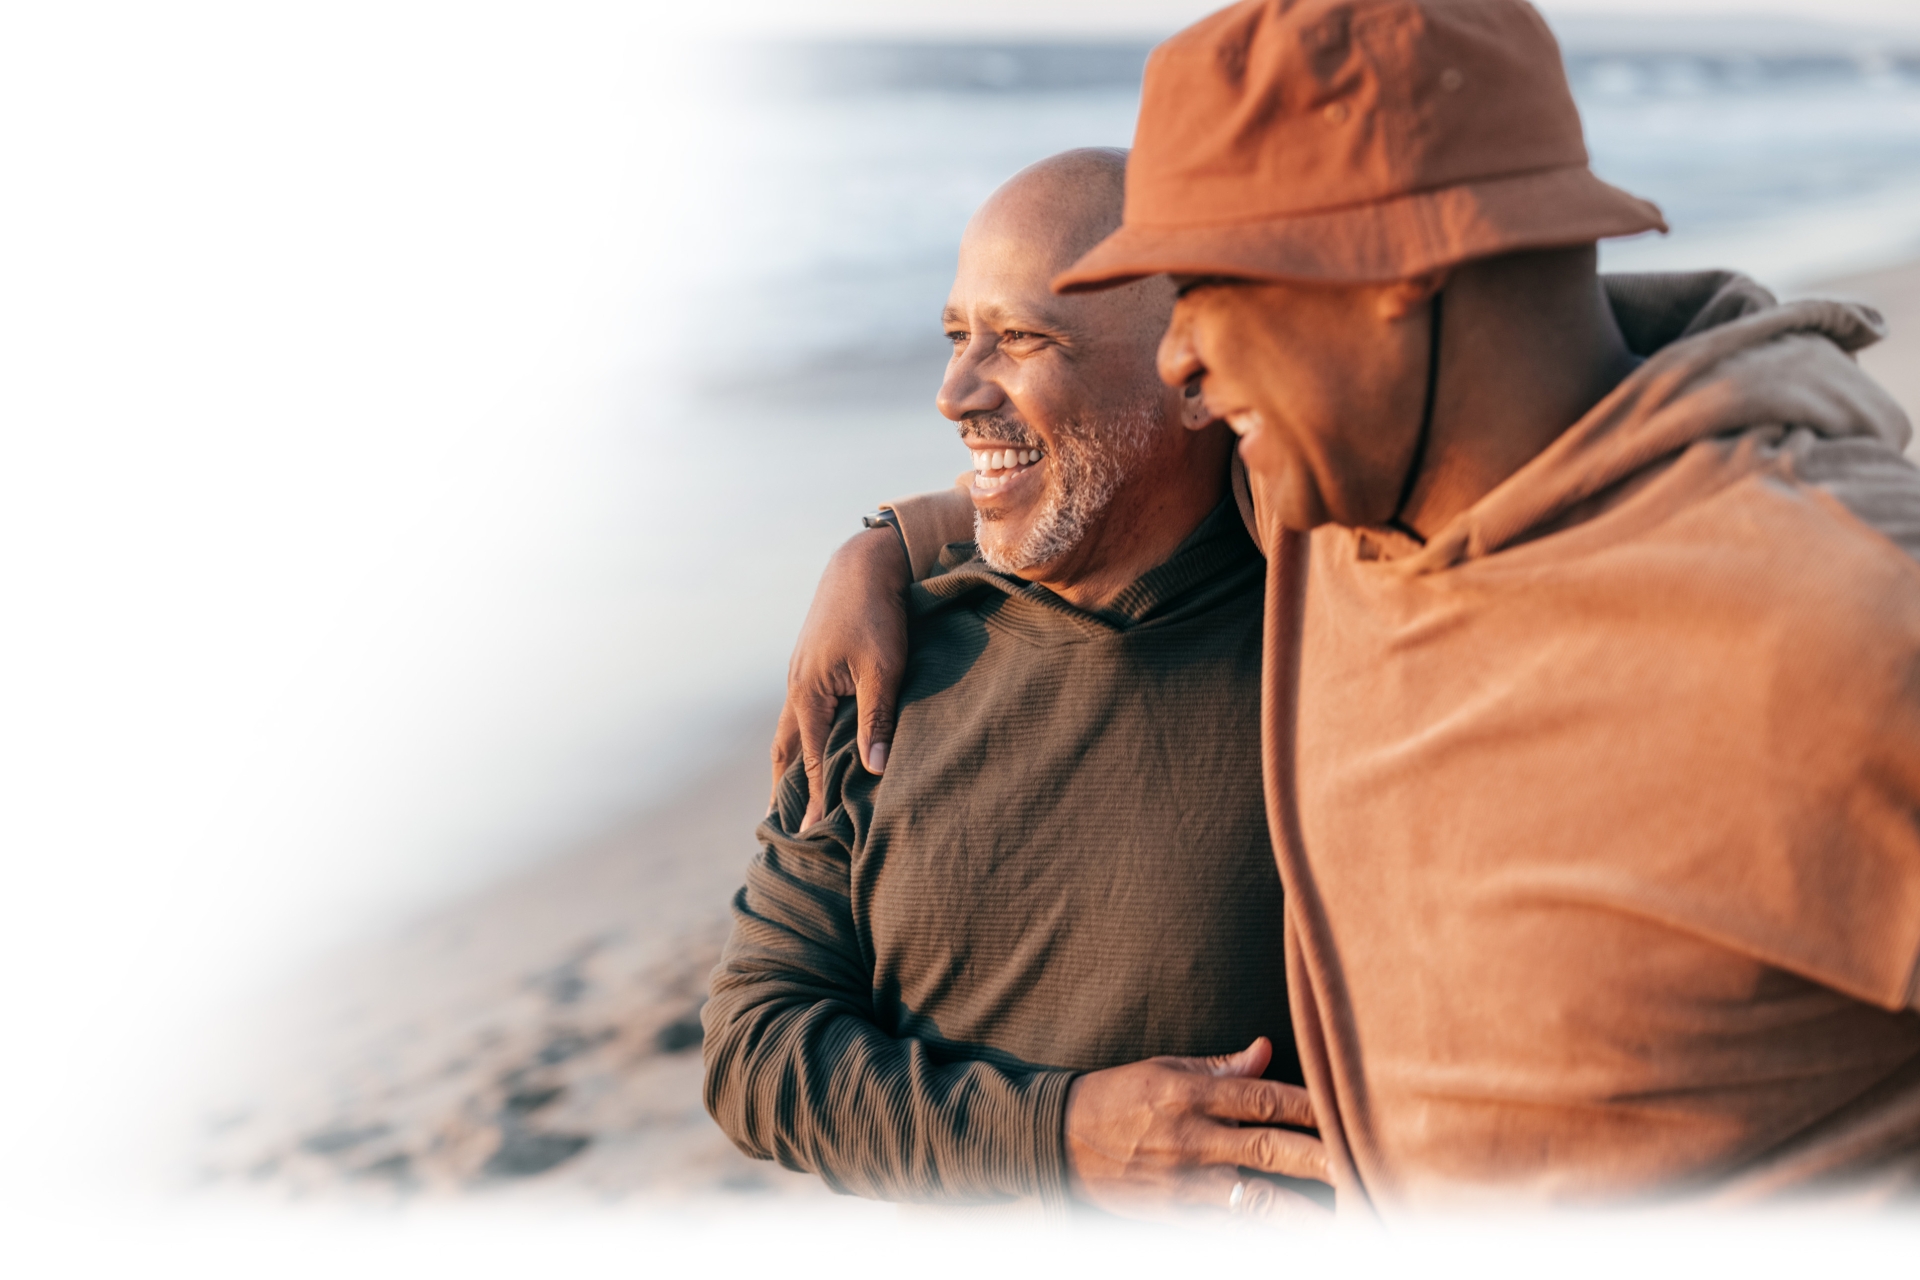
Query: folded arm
{"x": 798, "y": 1071}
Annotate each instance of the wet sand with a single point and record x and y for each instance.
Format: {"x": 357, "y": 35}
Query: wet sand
{"x": 540, "y": 1038}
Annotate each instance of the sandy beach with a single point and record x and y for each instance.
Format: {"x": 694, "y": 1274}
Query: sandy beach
{"x": 541, "y": 1039}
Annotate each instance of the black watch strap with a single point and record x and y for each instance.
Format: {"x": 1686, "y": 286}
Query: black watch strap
{"x": 885, "y": 517}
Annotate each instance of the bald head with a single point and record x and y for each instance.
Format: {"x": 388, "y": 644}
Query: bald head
{"x": 1044, "y": 218}
{"x": 1064, "y": 204}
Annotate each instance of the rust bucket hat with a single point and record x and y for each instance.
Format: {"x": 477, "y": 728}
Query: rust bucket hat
{"x": 1355, "y": 141}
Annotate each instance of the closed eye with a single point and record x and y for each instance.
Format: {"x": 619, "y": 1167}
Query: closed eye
{"x": 1023, "y": 339}
{"x": 1198, "y": 282}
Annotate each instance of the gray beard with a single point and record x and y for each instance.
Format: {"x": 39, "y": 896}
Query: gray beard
{"x": 1088, "y": 463}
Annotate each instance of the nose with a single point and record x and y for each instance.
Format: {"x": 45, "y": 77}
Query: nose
{"x": 964, "y": 391}
{"x": 1178, "y": 360}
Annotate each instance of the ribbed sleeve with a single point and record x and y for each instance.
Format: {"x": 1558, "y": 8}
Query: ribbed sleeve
{"x": 798, "y": 1071}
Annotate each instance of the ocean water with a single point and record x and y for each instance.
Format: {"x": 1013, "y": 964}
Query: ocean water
{"x": 1792, "y": 167}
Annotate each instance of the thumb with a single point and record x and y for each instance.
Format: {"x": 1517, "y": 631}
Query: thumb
{"x": 1249, "y": 1062}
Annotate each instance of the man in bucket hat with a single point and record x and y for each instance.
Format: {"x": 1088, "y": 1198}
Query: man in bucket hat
{"x": 1592, "y": 688}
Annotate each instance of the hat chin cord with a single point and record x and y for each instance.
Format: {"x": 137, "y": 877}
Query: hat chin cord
{"x": 1419, "y": 459}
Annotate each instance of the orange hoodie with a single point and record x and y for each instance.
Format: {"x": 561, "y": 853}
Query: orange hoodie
{"x": 1599, "y": 815}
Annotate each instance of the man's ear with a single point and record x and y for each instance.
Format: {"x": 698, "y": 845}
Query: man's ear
{"x": 1403, "y": 297}
{"x": 1193, "y": 407}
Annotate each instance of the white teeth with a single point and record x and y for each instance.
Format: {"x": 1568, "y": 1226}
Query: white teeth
{"x": 985, "y": 460}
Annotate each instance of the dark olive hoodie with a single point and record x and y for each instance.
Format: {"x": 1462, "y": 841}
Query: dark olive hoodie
{"x": 1064, "y": 868}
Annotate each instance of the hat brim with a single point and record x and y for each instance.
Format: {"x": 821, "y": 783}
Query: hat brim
{"x": 1374, "y": 243}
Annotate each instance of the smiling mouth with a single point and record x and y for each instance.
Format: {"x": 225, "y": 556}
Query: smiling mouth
{"x": 995, "y": 468}
{"x": 1244, "y": 422}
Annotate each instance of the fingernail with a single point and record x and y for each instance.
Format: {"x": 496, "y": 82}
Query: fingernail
{"x": 877, "y": 758}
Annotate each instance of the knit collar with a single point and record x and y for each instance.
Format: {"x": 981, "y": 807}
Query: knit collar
{"x": 1219, "y": 548}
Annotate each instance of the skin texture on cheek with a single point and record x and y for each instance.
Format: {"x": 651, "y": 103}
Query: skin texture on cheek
{"x": 1089, "y": 459}
{"x": 1325, "y": 389}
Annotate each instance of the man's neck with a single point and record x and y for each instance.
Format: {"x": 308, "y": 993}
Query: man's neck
{"x": 1528, "y": 346}
{"x": 1145, "y": 523}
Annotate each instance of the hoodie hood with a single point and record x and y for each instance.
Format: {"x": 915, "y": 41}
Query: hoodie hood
{"x": 1723, "y": 357}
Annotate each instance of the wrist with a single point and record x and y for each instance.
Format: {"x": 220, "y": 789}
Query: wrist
{"x": 885, "y": 519}
{"x": 883, "y": 552}
{"x": 1073, "y": 1149}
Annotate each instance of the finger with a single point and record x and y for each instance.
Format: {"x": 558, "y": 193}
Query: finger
{"x": 1258, "y": 1201}
{"x": 1267, "y": 1203}
{"x": 786, "y": 747}
{"x": 814, "y": 713}
{"x": 1296, "y": 1155}
{"x": 874, "y": 693}
{"x": 1256, "y": 1102}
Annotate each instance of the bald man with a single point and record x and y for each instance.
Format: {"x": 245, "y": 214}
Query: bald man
{"x": 956, "y": 981}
